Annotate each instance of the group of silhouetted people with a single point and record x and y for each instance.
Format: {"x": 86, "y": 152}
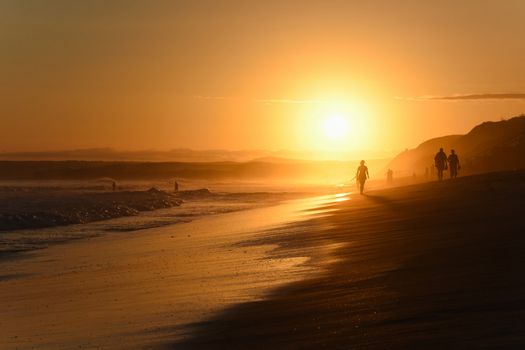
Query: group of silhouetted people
{"x": 442, "y": 163}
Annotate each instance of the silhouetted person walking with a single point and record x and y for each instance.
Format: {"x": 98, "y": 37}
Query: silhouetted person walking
{"x": 440, "y": 160}
{"x": 453, "y": 164}
{"x": 362, "y": 175}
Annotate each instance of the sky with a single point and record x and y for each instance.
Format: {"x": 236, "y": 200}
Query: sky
{"x": 367, "y": 76}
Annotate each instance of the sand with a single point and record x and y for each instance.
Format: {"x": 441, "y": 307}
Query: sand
{"x": 432, "y": 266}
{"x": 429, "y": 266}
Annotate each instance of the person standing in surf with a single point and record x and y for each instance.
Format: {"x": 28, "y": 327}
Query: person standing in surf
{"x": 390, "y": 176}
{"x": 362, "y": 175}
{"x": 440, "y": 161}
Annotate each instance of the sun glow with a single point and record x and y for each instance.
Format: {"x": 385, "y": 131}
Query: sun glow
{"x": 336, "y": 127}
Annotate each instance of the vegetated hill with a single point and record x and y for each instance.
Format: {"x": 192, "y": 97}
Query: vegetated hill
{"x": 490, "y": 146}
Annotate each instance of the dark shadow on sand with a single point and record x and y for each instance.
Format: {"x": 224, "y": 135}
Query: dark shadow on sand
{"x": 381, "y": 200}
{"x": 13, "y": 276}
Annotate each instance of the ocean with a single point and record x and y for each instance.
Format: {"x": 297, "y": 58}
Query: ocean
{"x": 33, "y": 198}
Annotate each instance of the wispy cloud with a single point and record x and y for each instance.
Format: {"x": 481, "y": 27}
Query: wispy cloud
{"x": 468, "y": 97}
{"x": 203, "y": 97}
{"x": 285, "y": 101}
{"x": 258, "y": 100}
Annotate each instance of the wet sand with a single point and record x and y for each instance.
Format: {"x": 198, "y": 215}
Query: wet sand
{"x": 429, "y": 266}
{"x": 137, "y": 290}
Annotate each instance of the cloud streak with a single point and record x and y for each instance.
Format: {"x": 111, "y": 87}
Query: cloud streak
{"x": 469, "y": 97}
{"x": 201, "y": 97}
{"x": 285, "y": 101}
{"x": 267, "y": 101}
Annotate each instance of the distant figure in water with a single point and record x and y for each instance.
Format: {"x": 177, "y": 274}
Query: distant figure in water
{"x": 453, "y": 164}
{"x": 362, "y": 175}
{"x": 114, "y": 186}
{"x": 390, "y": 176}
{"x": 175, "y": 186}
{"x": 440, "y": 160}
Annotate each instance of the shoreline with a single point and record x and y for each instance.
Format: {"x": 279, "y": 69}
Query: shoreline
{"x": 109, "y": 212}
{"x": 135, "y": 291}
{"x": 372, "y": 272}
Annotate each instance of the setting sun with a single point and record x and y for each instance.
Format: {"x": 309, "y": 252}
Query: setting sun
{"x": 336, "y": 127}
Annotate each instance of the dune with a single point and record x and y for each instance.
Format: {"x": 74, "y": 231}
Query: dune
{"x": 427, "y": 266}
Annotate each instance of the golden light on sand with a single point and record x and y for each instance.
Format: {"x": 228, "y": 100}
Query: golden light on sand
{"x": 341, "y": 197}
{"x": 336, "y": 126}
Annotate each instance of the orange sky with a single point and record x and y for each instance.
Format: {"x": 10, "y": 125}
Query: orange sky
{"x": 254, "y": 75}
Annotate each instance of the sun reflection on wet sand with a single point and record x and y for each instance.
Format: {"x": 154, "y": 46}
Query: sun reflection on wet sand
{"x": 341, "y": 197}
{"x": 320, "y": 205}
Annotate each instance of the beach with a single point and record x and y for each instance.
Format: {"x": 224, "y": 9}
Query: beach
{"x": 137, "y": 288}
{"x": 428, "y": 266}
{"x": 432, "y": 265}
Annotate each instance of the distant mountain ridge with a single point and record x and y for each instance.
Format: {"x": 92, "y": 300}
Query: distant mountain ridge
{"x": 193, "y": 156}
{"x": 490, "y": 146}
{"x": 109, "y": 154}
